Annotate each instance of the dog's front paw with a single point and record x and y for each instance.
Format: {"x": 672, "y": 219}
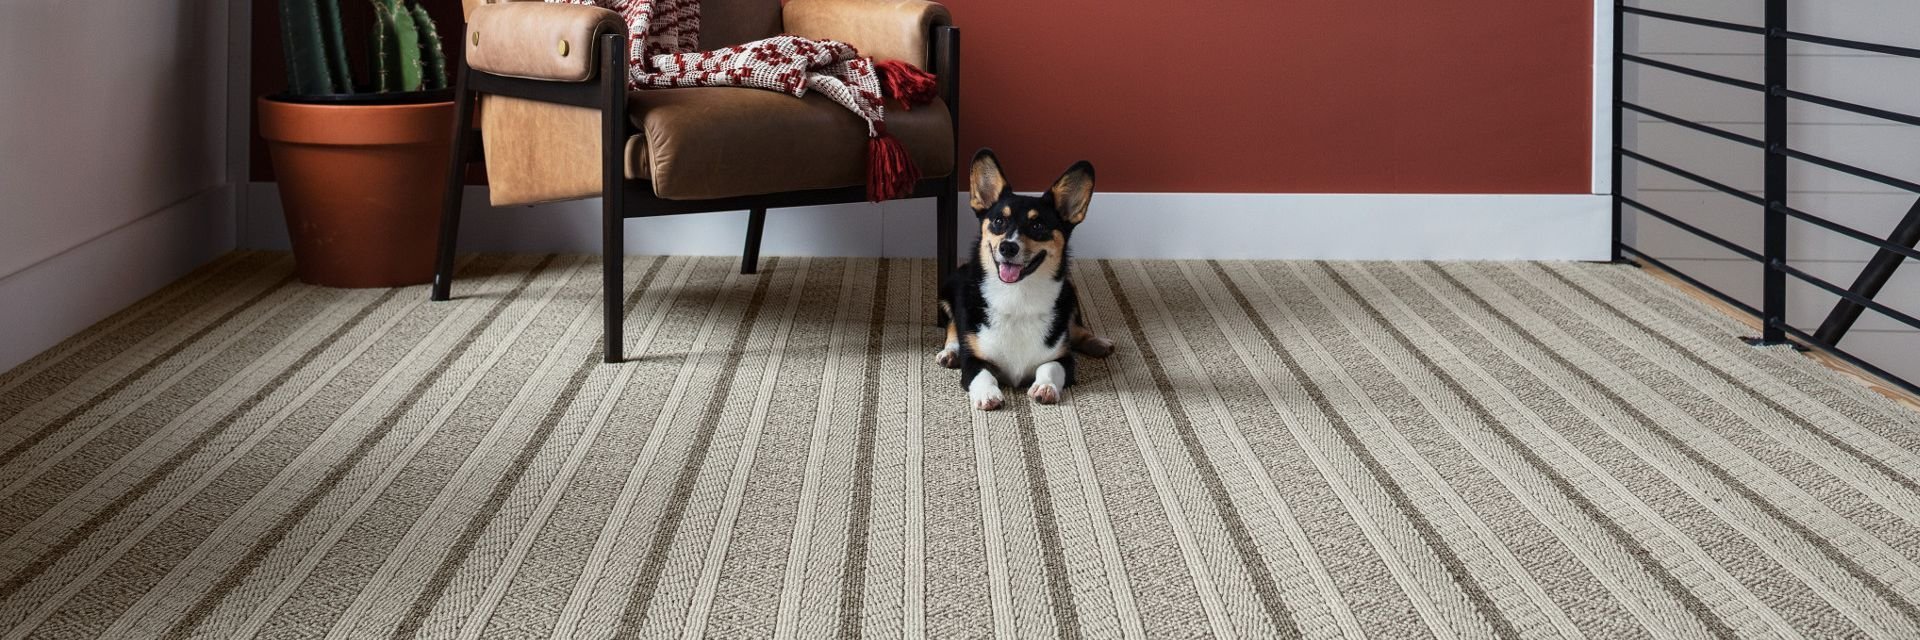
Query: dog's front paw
{"x": 1096, "y": 346}
{"x": 1044, "y": 393}
{"x": 1047, "y": 382}
{"x": 948, "y": 357}
{"x": 984, "y": 391}
{"x": 987, "y": 401}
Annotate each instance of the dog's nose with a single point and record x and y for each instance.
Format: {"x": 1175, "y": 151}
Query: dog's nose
{"x": 1009, "y": 249}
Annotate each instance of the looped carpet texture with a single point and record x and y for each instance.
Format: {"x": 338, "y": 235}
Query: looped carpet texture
{"x": 1276, "y": 449}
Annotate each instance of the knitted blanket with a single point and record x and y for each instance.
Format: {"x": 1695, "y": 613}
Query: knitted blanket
{"x": 664, "y": 52}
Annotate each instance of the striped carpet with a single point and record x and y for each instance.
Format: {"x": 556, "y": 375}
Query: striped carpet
{"x": 1392, "y": 450}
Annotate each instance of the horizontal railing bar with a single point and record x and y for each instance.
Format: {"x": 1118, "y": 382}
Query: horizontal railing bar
{"x": 1690, "y": 71}
{"x": 1904, "y": 52}
{"x": 1716, "y": 185}
{"x": 1847, "y": 231}
{"x": 1702, "y": 233}
{"x": 1637, "y": 254}
{"x": 1714, "y": 131}
{"x": 1850, "y": 296}
{"x": 1861, "y": 109}
{"x": 1697, "y": 21}
{"x": 1883, "y": 374}
{"x": 1854, "y": 171}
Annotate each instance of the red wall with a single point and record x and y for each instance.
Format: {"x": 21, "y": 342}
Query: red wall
{"x": 1307, "y": 96}
{"x": 1304, "y": 96}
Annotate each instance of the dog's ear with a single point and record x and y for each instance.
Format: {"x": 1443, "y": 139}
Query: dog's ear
{"x": 1073, "y": 192}
{"x": 988, "y": 182}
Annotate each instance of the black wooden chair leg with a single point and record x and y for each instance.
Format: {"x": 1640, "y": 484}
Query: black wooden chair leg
{"x": 613, "y": 263}
{"x": 750, "y": 257}
{"x": 463, "y": 138}
{"x": 947, "y": 218}
{"x": 613, "y": 194}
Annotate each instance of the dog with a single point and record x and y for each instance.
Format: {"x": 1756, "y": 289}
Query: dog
{"x": 1010, "y": 312}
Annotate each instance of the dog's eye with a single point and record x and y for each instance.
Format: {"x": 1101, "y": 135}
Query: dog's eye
{"x": 998, "y": 225}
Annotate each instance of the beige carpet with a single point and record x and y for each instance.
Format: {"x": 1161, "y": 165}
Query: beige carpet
{"x": 1386, "y": 449}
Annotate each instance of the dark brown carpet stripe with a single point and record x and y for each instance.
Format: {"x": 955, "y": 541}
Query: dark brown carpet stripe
{"x": 655, "y": 561}
{"x": 1826, "y": 547}
{"x": 859, "y": 524}
{"x": 80, "y": 352}
{"x": 34, "y": 570}
{"x": 437, "y": 585}
{"x": 114, "y": 390}
{"x": 1560, "y": 482}
{"x": 1066, "y": 617}
{"x": 1752, "y": 394}
{"x": 205, "y": 603}
{"x": 1237, "y": 530}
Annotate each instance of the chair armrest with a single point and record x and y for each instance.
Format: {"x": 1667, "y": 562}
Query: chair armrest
{"x": 538, "y": 40}
{"x": 882, "y": 29}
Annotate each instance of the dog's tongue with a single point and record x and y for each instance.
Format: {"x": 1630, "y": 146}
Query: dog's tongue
{"x": 1009, "y": 273}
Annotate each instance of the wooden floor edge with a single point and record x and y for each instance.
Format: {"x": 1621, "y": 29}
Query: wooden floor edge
{"x": 1872, "y": 382}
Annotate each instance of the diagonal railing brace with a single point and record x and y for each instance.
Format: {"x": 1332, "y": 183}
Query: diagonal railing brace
{"x": 1878, "y": 271}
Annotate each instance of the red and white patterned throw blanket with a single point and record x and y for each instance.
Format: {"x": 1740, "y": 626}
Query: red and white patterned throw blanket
{"x": 664, "y": 52}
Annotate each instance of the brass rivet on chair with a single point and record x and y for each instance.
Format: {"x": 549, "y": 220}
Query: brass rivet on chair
{"x": 563, "y": 48}
{"x": 476, "y": 38}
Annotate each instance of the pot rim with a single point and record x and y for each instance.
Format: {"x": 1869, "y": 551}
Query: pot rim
{"x": 397, "y": 98}
{"x": 355, "y": 125}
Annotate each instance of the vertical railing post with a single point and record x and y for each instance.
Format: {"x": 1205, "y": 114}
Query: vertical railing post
{"x": 1619, "y": 131}
{"x": 1774, "y": 282}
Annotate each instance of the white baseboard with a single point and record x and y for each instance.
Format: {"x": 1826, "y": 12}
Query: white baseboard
{"x": 1347, "y": 226}
{"x": 57, "y": 297}
{"x": 1121, "y": 225}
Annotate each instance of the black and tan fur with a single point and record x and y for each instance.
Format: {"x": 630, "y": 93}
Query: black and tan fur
{"x": 1022, "y": 332}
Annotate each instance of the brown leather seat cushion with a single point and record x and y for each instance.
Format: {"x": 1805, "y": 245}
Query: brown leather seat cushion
{"x": 716, "y": 142}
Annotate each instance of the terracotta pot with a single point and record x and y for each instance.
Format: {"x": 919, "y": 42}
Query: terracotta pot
{"x": 361, "y": 187}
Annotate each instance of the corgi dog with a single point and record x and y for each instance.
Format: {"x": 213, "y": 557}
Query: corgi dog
{"x": 1010, "y": 312}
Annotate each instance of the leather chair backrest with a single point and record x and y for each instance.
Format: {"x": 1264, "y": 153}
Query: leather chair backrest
{"x": 723, "y": 23}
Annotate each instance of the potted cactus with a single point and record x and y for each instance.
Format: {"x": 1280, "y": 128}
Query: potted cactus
{"x": 360, "y": 158}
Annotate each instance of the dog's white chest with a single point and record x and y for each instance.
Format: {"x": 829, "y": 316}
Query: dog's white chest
{"x": 1018, "y": 318}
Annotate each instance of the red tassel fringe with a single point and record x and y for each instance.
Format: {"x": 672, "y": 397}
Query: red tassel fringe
{"x": 890, "y": 171}
{"x": 906, "y": 83}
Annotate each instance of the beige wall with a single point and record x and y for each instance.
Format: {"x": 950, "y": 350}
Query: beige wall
{"x": 1865, "y": 78}
{"x": 114, "y": 144}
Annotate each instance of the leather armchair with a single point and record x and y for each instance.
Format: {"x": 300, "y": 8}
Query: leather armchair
{"x": 557, "y": 122}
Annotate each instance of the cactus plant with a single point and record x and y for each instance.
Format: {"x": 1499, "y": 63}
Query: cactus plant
{"x": 306, "y": 51}
{"x": 404, "y": 49}
{"x": 336, "y": 43}
{"x": 431, "y": 54}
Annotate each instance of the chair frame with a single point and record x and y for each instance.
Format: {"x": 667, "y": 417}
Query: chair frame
{"x": 622, "y": 198}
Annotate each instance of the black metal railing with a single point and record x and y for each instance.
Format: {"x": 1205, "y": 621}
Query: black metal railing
{"x": 1891, "y": 251}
